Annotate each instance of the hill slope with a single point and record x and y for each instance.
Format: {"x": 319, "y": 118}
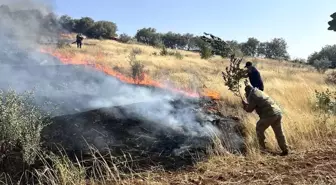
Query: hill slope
{"x": 291, "y": 85}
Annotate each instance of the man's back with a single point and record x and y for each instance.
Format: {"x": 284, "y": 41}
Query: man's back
{"x": 265, "y": 106}
{"x": 255, "y": 78}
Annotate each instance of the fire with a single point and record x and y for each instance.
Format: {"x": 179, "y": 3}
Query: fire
{"x": 145, "y": 79}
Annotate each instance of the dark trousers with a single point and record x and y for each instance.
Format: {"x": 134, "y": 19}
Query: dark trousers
{"x": 79, "y": 44}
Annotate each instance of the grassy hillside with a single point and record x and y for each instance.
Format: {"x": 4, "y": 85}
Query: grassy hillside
{"x": 291, "y": 85}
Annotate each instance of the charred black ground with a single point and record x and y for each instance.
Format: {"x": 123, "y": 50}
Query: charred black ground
{"x": 117, "y": 131}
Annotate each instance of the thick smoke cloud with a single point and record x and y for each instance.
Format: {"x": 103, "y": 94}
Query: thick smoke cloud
{"x": 23, "y": 25}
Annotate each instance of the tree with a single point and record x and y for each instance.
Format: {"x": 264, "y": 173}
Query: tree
{"x": 235, "y": 47}
{"x": 148, "y": 36}
{"x": 250, "y": 48}
{"x": 67, "y": 23}
{"x": 322, "y": 65}
{"x": 189, "y": 40}
{"x": 84, "y": 24}
{"x": 50, "y": 23}
{"x": 327, "y": 53}
{"x": 261, "y": 50}
{"x": 171, "y": 39}
{"x": 332, "y": 23}
{"x": 277, "y": 49}
{"x": 124, "y": 38}
{"x": 102, "y": 29}
{"x": 218, "y": 46}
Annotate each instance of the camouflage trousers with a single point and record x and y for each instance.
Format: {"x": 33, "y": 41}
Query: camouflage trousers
{"x": 275, "y": 123}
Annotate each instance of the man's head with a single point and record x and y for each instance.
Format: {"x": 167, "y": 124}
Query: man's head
{"x": 249, "y": 66}
{"x": 248, "y": 89}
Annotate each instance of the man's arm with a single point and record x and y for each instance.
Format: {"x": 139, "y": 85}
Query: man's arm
{"x": 249, "y": 107}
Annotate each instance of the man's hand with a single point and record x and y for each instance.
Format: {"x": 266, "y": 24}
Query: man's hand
{"x": 244, "y": 104}
{"x": 246, "y": 82}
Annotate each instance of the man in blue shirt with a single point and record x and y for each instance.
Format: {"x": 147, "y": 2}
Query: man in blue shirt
{"x": 254, "y": 76}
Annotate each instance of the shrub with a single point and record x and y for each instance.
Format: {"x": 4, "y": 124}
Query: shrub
{"x": 322, "y": 65}
{"x": 178, "y": 55}
{"x": 136, "y": 51}
{"x": 206, "y": 52}
{"x": 164, "y": 51}
{"x": 299, "y": 61}
{"x": 124, "y": 38}
{"x": 331, "y": 78}
{"x": 137, "y": 68}
{"x": 326, "y": 101}
{"x": 62, "y": 44}
{"x": 20, "y": 124}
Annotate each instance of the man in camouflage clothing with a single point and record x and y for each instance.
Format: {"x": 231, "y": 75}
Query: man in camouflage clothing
{"x": 269, "y": 113}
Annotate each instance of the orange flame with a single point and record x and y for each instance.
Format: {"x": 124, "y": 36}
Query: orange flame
{"x": 145, "y": 79}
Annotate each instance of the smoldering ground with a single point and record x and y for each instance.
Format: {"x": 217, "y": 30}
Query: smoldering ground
{"x": 76, "y": 89}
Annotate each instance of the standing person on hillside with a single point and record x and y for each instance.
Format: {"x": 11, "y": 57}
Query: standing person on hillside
{"x": 79, "y": 39}
{"x": 269, "y": 113}
{"x": 254, "y": 76}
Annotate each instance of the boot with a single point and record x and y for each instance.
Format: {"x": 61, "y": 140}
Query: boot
{"x": 284, "y": 153}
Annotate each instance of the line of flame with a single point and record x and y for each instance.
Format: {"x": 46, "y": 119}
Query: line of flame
{"x": 144, "y": 81}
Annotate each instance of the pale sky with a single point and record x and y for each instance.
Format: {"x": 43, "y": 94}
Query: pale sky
{"x": 302, "y": 23}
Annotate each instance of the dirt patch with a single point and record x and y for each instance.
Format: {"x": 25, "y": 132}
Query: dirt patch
{"x": 316, "y": 166}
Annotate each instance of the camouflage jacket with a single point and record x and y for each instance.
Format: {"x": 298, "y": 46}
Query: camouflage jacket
{"x": 264, "y": 105}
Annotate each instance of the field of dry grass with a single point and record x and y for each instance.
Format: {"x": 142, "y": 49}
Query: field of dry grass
{"x": 291, "y": 85}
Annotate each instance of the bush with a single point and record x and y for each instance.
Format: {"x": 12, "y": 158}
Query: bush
{"x": 20, "y": 124}
{"x": 124, "y": 38}
{"x": 178, "y": 55}
{"x": 164, "y": 51}
{"x": 137, "y": 68}
{"x": 326, "y": 101}
{"x": 206, "y": 52}
{"x": 299, "y": 61}
{"x": 322, "y": 65}
{"x": 62, "y": 44}
{"x": 331, "y": 78}
{"x": 136, "y": 51}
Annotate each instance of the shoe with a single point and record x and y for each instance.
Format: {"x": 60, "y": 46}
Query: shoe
{"x": 284, "y": 153}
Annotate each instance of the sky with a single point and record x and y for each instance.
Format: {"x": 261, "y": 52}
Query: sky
{"x": 302, "y": 23}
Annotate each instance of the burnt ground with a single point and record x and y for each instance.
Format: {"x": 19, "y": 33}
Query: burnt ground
{"x": 121, "y": 130}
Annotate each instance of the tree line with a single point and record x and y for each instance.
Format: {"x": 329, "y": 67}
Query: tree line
{"x": 274, "y": 49}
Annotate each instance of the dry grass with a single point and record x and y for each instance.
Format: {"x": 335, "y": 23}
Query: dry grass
{"x": 292, "y": 86}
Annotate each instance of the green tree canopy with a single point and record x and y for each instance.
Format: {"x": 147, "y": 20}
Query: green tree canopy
{"x": 102, "y": 29}
{"x": 250, "y": 48}
{"x": 85, "y": 23}
{"x": 327, "y": 53}
{"x": 332, "y": 23}
{"x": 148, "y": 36}
{"x": 277, "y": 49}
